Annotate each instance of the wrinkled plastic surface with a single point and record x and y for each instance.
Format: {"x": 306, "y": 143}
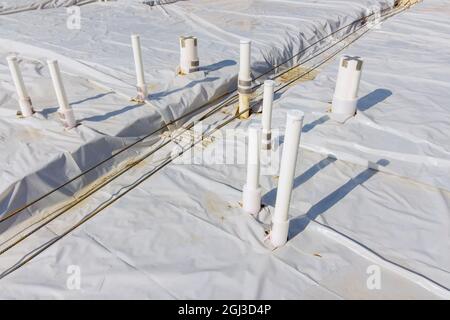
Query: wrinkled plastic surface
{"x": 182, "y": 233}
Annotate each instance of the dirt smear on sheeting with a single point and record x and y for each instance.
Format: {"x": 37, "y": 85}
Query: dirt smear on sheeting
{"x": 300, "y": 73}
{"x": 406, "y": 3}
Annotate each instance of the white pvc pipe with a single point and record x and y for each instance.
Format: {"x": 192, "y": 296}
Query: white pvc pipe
{"x": 280, "y": 223}
{"x": 251, "y": 198}
{"x": 189, "y": 61}
{"x": 140, "y": 78}
{"x": 65, "y": 110}
{"x": 58, "y": 84}
{"x": 244, "y": 62}
{"x": 269, "y": 87}
{"x": 244, "y": 78}
{"x": 25, "y": 104}
{"x": 347, "y": 85}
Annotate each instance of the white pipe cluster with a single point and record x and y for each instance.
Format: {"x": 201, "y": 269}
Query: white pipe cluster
{"x": 244, "y": 78}
{"x": 140, "y": 79}
{"x": 280, "y": 220}
{"x": 251, "y": 201}
{"x": 345, "y": 97}
{"x": 269, "y": 87}
{"x": 65, "y": 110}
{"x": 25, "y": 104}
{"x": 189, "y": 61}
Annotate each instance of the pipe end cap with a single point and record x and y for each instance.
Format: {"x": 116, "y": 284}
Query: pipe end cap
{"x": 269, "y": 83}
{"x": 295, "y": 115}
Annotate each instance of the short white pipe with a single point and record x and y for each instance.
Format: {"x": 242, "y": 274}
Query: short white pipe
{"x": 345, "y": 97}
{"x": 244, "y": 79}
{"x": 269, "y": 87}
{"x": 140, "y": 78}
{"x": 65, "y": 110}
{"x": 280, "y": 223}
{"x": 251, "y": 201}
{"x": 25, "y": 104}
{"x": 189, "y": 61}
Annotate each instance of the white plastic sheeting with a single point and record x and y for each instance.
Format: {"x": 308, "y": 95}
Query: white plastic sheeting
{"x": 182, "y": 232}
{"x": 401, "y": 129}
{"x": 402, "y": 114}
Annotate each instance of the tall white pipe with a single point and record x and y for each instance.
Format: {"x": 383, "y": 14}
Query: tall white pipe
{"x": 251, "y": 198}
{"x": 244, "y": 63}
{"x": 189, "y": 61}
{"x": 25, "y": 104}
{"x": 140, "y": 79}
{"x": 345, "y": 97}
{"x": 244, "y": 78}
{"x": 280, "y": 222}
{"x": 269, "y": 87}
{"x": 65, "y": 110}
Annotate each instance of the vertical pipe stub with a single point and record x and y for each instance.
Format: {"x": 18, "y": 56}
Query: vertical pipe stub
{"x": 269, "y": 86}
{"x": 280, "y": 222}
{"x": 345, "y": 97}
{"x": 65, "y": 111}
{"x": 251, "y": 197}
{"x": 244, "y": 79}
{"x": 139, "y": 66}
{"x": 26, "y": 107}
{"x": 189, "y": 61}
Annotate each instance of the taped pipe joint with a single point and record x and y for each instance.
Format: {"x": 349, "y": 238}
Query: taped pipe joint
{"x": 269, "y": 87}
{"x": 345, "y": 97}
{"x": 251, "y": 198}
{"x": 189, "y": 61}
{"x": 139, "y": 66}
{"x": 65, "y": 111}
{"x": 244, "y": 79}
{"x": 26, "y": 107}
{"x": 280, "y": 220}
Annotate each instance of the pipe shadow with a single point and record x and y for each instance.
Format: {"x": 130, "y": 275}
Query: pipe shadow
{"x": 47, "y": 111}
{"x": 98, "y": 118}
{"x": 277, "y": 95}
{"x": 270, "y": 197}
{"x": 308, "y": 127}
{"x": 373, "y": 98}
{"x": 298, "y": 224}
{"x": 217, "y": 66}
{"x": 98, "y": 96}
{"x": 159, "y": 95}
